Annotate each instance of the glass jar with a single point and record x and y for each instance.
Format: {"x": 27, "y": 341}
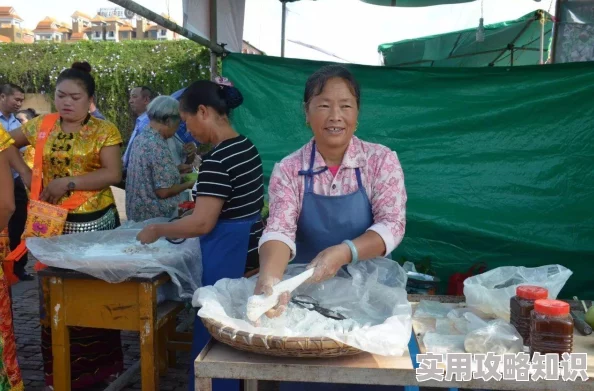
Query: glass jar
{"x": 551, "y": 328}
{"x": 521, "y": 306}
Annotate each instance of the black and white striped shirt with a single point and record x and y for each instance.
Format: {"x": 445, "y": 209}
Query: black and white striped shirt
{"x": 233, "y": 171}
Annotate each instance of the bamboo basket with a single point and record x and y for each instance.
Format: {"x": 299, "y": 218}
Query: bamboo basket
{"x": 278, "y": 346}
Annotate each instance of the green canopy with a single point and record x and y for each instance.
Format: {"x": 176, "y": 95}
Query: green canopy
{"x": 461, "y": 49}
{"x": 497, "y": 161}
{"x": 414, "y": 3}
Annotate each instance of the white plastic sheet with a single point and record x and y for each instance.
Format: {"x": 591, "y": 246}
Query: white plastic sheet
{"x": 372, "y": 298}
{"x": 490, "y": 292}
{"x": 116, "y": 255}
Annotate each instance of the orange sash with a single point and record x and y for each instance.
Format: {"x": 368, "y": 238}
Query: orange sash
{"x": 43, "y": 219}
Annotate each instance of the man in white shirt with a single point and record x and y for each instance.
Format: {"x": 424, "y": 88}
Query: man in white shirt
{"x": 11, "y": 101}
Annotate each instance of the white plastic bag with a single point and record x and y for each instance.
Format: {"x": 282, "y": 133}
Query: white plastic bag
{"x": 371, "y": 296}
{"x": 498, "y": 337}
{"x": 490, "y": 292}
{"x": 116, "y": 255}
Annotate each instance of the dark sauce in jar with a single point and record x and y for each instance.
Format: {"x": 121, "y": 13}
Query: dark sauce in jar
{"x": 521, "y": 306}
{"x": 551, "y": 328}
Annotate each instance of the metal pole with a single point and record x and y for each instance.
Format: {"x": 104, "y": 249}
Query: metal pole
{"x": 283, "y": 28}
{"x": 161, "y": 21}
{"x": 213, "y": 38}
{"x": 542, "y": 26}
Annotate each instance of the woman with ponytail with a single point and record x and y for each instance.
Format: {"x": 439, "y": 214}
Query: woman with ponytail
{"x": 229, "y": 197}
{"x": 80, "y": 161}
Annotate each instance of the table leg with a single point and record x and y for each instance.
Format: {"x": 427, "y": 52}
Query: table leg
{"x": 251, "y": 385}
{"x": 60, "y": 335}
{"x": 203, "y": 384}
{"x": 149, "y": 361}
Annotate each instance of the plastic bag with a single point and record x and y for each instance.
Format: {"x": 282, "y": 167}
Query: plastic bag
{"x": 116, "y": 255}
{"x": 431, "y": 309}
{"x": 498, "y": 337}
{"x": 443, "y": 343}
{"x": 371, "y": 296}
{"x": 491, "y": 292}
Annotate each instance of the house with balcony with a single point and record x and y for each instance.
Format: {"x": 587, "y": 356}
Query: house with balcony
{"x": 11, "y": 27}
{"x": 49, "y": 29}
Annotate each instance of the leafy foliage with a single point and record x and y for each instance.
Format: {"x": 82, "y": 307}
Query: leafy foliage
{"x": 164, "y": 66}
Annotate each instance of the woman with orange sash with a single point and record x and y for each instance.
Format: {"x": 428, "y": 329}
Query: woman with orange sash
{"x": 79, "y": 162}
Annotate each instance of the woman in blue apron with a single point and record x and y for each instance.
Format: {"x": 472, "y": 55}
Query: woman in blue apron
{"x": 229, "y": 196}
{"x": 337, "y": 200}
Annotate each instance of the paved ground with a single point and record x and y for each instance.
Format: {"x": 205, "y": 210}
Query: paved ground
{"x": 27, "y": 329}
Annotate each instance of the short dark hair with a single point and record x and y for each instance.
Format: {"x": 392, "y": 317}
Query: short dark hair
{"x": 221, "y": 98}
{"x": 9, "y": 89}
{"x": 147, "y": 92}
{"x": 317, "y": 81}
{"x": 79, "y": 72}
{"x": 29, "y": 113}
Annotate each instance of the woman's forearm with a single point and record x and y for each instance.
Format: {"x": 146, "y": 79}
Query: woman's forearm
{"x": 370, "y": 245}
{"x": 186, "y": 227}
{"x": 96, "y": 180}
{"x": 274, "y": 259}
{"x": 16, "y": 162}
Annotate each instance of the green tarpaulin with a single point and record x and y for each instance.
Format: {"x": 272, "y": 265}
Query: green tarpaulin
{"x": 498, "y": 162}
{"x": 461, "y": 49}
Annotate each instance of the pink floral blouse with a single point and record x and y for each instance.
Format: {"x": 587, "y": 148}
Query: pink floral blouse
{"x": 381, "y": 175}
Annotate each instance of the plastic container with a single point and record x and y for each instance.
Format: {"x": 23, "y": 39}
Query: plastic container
{"x": 521, "y": 306}
{"x": 551, "y": 328}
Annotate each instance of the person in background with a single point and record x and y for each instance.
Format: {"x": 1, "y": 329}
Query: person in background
{"x": 26, "y": 115}
{"x": 82, "y": 158}
{"x": 94, "y": 110}
{"x": 140, "y": 97}
{"x": 153, "y": 182}
{"x": 10, "y": 375}
{"x": 11, "y": 101}
{"x": 230, "y": 194}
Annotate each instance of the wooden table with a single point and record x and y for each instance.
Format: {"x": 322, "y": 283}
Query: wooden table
{"x": 221, "y": 361}
{"x": 81, "y": 300}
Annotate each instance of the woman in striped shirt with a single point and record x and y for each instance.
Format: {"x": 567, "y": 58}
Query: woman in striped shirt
{"x": 229, "y": 196}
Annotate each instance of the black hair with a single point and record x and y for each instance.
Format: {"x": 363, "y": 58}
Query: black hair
{"x": 317, "y": 81}
{"x": 147, "y": 92}
{"x": 79, "y": 72}
{"x": 9, "y": 89}
{"x": 29, "y": 113}
{"x": 221, "y": 98}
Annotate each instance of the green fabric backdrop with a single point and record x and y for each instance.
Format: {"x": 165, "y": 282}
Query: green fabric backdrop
{"x": 498, "y": 162}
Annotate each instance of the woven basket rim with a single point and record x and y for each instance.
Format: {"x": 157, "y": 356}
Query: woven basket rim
{"x": 241, "y": 333}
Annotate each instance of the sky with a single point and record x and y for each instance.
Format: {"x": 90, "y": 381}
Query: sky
{"x": 348, "y": 29}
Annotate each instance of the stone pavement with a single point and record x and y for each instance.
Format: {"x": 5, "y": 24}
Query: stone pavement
{"x": 26, "y": 324}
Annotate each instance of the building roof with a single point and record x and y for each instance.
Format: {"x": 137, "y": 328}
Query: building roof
{"x": 5, "y": 39}
{"x": 46, "y": 25}
{"x": 9, "y": 12}
{"x": 78, "y": 37}
{"x": 98, "y": 19}
{"x": 126, "y": 27}
{"x": 80, "y": 15}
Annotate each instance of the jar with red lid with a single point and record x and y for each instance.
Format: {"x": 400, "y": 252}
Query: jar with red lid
{"x": 551, "y": 328}
{"x": 521, "y": 306}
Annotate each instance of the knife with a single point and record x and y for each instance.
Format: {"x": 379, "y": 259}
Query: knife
{"x": 580, "y": 323}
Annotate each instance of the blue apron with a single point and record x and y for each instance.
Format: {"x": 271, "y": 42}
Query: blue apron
{"x": 224, "y": 253}
{"x": 327, "y": 221}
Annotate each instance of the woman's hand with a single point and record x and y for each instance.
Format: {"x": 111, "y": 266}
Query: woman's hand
{"x": 190, "y": 149}
{"x": 55, "y": 190}
{"x": 264, "y": 286}
{"x": 328, "y": 262}
{"x": 148, "y": 234}
{"x": 185, "y": 168}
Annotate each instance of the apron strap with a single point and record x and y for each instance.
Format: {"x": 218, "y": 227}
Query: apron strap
{"x": 309, "y": 173}
{"x": 359, "y": 181}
